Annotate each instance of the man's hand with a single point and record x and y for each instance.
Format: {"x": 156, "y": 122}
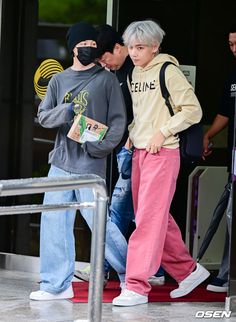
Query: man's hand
{"x": 207, "y": 147}
{"x": 219, "y": 123}
{"x": 128, "y": 144}
{"x": 156, "y": 142}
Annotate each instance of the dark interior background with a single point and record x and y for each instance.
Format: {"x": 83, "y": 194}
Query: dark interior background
{"x": 196, "y": 34}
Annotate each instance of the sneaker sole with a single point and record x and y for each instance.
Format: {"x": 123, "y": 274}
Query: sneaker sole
{"x": 51, "y": 297}
{"x": 203, "y": 277}
{"x": 125, "y": 303}
{"x": 217, "y": 289}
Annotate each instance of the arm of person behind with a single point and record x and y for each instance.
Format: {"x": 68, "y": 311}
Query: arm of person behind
{"x": 219, "y": 123}
{"x": 50, "y": 113}
{"x": 116, "y": 122}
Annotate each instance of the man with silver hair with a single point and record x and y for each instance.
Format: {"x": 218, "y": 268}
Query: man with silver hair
{"x": 155, "y": 167}
{"x": 113, "y": 54}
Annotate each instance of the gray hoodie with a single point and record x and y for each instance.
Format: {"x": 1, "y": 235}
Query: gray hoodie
{"x": 101, "y": 99}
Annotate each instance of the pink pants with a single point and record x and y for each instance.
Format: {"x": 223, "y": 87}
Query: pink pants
{"x": 157, "y": 238}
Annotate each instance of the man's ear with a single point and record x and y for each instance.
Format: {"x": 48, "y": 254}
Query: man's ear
{"x": 74, "y": 52}
{"x": 117, "y": 48}
{"x": 155, "y": 48}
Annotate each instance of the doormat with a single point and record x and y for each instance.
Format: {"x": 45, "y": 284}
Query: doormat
{"x": 157, "y": 294}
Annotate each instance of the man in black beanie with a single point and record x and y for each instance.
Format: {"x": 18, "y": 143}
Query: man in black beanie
{"x": 89, "y": 90}
{"x": 79, "y": 32}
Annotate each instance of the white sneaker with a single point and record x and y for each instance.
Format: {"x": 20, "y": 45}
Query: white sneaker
{"x": 84, "y": 275}
{"x": 129, "y": 298}
{"x": 156, "y": 280}
{"x": 217, "y": 289}
{"x": 46, "y": 296}
{"x": 191, "y": 282}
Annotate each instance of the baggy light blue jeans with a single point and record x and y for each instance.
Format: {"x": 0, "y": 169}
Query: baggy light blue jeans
{"x": 57, "y": 244}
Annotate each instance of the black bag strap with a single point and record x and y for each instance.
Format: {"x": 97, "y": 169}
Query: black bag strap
{"x": 164, "y": 91}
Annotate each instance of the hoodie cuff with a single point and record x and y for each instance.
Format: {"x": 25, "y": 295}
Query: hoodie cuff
{"x": 165, "y": 132}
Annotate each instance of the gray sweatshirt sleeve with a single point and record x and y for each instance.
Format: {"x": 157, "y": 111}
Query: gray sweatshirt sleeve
{"x": 116, "y": 122}
{"x": 50, "y": 113}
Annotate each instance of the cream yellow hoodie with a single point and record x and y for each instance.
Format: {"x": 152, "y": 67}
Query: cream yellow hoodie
{"x": 150, "y": 111}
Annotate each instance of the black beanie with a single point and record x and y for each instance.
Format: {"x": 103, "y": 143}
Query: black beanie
{"x": 79, "y": 32}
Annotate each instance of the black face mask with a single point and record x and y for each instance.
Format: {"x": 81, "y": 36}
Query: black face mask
{"x": 86, "y": 55}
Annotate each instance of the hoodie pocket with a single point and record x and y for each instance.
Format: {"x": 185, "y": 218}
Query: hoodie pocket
{"x": 142, "y": 132}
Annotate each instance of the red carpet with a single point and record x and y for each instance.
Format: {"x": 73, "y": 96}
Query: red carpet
{"x": 157, "y": 294}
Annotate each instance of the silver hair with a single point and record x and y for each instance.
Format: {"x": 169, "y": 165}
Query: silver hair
{"x": 146, "y": 32}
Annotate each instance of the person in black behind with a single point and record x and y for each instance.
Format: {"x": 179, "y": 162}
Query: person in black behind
{"x": 225, "y": 117}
